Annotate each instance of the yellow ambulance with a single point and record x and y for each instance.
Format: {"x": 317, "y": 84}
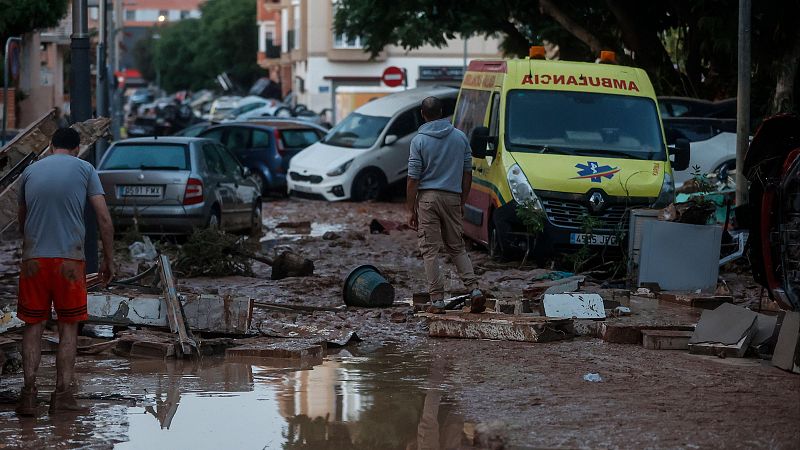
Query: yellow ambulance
{"x": 574, "y": 140}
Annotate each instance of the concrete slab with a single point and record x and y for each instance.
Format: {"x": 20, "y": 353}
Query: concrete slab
{"x": 281, "y": 348}
{"x": 787, "y": 350}
{"x": 574, "y": 305}
{"x": 499, "y": 327}
{"x": 666, "y": 339}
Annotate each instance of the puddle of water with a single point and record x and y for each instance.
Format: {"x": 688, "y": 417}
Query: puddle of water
{"x": 387, "y": 400}
{"x": 272, "y": 232}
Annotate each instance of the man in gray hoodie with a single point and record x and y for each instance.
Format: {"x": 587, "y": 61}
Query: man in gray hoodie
{"x": 439, "y": 180}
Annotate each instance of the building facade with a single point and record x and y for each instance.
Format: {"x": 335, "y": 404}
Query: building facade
{"x": 315, "y": 63}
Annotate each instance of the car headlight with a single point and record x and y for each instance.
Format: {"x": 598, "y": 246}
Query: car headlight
{"x": 521, "y": 189}
{"x": 339, "y": 170}
{"x": 667, "y": 194}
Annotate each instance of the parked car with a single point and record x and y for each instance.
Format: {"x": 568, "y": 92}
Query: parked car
{"x": 221, "y": 107}
{"x": 266, "y": 147}
{"x": 366, "y": 151}
{"x": 194, "y": 130}
{"x": 171, "y": 185}
{"x": 253, "y": 106}
{"x": 696, "y": 107}
{"x": 712, "y": 142}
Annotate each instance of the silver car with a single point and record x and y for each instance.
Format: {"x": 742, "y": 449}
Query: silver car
{"x": 171, "y": 185}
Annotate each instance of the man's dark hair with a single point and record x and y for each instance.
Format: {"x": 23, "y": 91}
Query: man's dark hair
{"x": 432, "y": 108}
{"x": 66, "y": 138}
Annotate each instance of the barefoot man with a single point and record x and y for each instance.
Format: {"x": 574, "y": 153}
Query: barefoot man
{"x": 53, "y": 195}
{"x": 439, "y": 180}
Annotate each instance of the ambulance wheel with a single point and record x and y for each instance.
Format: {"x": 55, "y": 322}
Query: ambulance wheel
{"x": 495, "y": 244}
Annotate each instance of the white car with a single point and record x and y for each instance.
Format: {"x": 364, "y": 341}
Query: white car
{"x": 367, "y": 151}
{"x": 255, "y": 107}
{"x": 712, "y": 143}
{"x": 221, "y": 106}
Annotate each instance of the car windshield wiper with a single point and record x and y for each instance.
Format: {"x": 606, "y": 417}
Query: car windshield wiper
{"x": 544, "y": 148}
{"x": 622, "y": 154}
{"x": 144, "y": 167}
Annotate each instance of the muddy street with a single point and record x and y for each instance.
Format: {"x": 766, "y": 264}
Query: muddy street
{"x": 398, "y": 388}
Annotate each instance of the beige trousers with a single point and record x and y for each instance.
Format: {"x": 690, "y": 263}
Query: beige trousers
{"x": 441, "y": 230}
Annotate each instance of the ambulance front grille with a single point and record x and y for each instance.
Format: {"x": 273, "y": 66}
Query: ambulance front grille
{"x": 565, "y": 213}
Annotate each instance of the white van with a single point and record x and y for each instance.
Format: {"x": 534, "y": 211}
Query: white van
{"x": 366, "y": 151}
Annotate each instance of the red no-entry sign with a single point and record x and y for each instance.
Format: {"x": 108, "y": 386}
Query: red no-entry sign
{"x": 392, "y": 76}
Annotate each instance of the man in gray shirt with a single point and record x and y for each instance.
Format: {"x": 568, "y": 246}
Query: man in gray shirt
{"x": 439, "y": 180}
{"x": 53, "y": 195}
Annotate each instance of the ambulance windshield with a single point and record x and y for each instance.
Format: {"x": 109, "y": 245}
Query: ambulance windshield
{"x": 583, "y": 123}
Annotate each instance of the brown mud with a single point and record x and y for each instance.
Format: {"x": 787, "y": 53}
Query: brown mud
{"x": 398, "y": 388}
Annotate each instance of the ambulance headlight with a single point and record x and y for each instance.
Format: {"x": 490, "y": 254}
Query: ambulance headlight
{"x": 521, "y": 189}
{"x": 667, "y": 194}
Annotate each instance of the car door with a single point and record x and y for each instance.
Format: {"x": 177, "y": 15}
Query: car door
{"x": 242, "y": 191}
{"x": 393, "y": 156}
{"x": 217, "y": 185}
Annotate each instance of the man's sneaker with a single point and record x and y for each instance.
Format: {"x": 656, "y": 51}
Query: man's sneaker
{"x": 28, "y": 404}
{"x": 436, "y": 308}
{"x": 477, "y": 301}
{"x": 65, "y": 402}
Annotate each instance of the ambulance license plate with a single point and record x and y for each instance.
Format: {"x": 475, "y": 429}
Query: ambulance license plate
{"x": 592, "y": 239}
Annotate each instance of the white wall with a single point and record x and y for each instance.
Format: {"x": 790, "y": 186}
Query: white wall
{"x": 320, "y": 67}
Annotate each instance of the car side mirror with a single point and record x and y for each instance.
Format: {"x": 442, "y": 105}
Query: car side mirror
{"x": 479, "y": 143}
{"x": 246, "y": 172}
{"x": 682, "y": 154}
{"x": 390, "y": 139}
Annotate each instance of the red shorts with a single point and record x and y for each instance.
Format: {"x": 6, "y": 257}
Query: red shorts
{"x": 57, "y": 280}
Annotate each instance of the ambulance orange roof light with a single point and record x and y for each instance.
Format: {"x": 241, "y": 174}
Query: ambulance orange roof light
{"x": 536, "y": 52}
{"x": 608, "y": 57}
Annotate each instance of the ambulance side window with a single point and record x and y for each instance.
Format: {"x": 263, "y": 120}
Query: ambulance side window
{"x": 471, "y": 110}
{"x": 494, "y": 119}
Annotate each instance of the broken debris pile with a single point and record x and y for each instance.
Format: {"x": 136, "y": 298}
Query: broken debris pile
{"x": 212, "y": 252}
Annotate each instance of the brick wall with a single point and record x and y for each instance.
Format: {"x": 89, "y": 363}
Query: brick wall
{"x": 11, "y": 122}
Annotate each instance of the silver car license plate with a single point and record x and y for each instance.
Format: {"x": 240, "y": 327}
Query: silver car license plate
{"x": 592, "y": 239}
{"x": 141, "y": 191}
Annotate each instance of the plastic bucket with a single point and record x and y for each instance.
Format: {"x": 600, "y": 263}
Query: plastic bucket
{"x": 365, "y": 286}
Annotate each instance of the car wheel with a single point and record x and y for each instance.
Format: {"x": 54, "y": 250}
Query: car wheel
{"x": 368, "y": 185}
{"x": 264, "y": 184}
{"x": 214, "y": 219}
{"x": 255, "y": 219}
{"x": 496, "y": 252}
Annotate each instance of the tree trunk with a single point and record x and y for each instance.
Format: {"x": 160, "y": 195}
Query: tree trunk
{"x": 784, "y": 101}
{"x": 549, "y": 8}
{"x": 649, "y": 52}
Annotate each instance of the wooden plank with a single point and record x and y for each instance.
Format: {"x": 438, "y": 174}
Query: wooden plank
{"x": 29, "y": 146}
{"x": 177, "y": 323}
{"x": 499, "y": 327}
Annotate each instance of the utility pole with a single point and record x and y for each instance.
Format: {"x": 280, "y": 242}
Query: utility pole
{"x": 80, "y": 93}
{"x": 743, "y": 100}
{"x": 102, "y": 77}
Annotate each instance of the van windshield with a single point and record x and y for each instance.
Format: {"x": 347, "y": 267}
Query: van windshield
{"x": 583, "y": 123}
{"x": 356, "y": 131}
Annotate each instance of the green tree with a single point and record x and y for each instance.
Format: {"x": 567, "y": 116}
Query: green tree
{"x": 190, "y": 54}
{"x": 21, "y": 16}
{"x": 687, "y": 48}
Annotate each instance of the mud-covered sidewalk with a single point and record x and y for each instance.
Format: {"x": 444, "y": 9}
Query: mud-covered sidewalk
{"x": 399, "y": 388}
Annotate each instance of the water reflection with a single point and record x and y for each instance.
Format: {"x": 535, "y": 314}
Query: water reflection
{"x": 387, "y": 400}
